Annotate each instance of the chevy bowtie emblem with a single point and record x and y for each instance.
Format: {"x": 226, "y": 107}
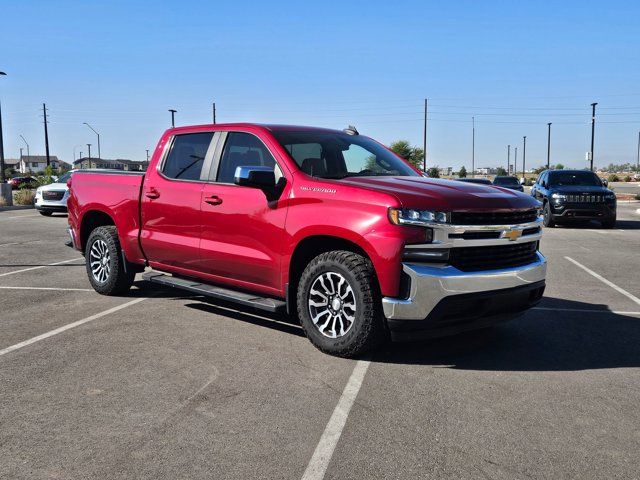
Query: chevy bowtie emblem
{"x": 512, "y": 234}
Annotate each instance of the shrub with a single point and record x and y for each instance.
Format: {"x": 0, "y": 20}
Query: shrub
{"x": 3, "y": 202}
{"x": 627, "y": 178}
{"x": 613, "y": 178}
{"x": 433, "y": 172}
{"x": 637, "y": 196}
{"x": 24, "y": 196}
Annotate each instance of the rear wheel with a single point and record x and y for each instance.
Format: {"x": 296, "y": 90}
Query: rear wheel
{"x": 105, "y": 264}
{"x": 547, "y": 218}
{"x": 45, "y": 213}
{"x": 339, "y": 304}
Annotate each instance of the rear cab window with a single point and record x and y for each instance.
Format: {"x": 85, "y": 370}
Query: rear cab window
{"x": 186, "y": 156}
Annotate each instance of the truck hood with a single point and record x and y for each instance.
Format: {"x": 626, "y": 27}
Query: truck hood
{"x": 445, "y": 195}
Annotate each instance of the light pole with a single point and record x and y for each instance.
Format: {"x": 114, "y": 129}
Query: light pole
{"x": 524, "y": 156}
{"x": 74, "y": 152}
{"x": 1, "y": 143}
{"x": 473, "y": 147}
{"x": 548, "y": 145}
{"x": 593, "y": 129}
{"x": 28, "y": 155}
{"x": 515, "y": 161}
{"x": 638, "y": 156}
{"x": 173, "y": 117}
{"x": 89, "y": 147}
{"x": 85, "y": 123}
{"x": 147, "y": 165}
{"x": 508, "y": 157}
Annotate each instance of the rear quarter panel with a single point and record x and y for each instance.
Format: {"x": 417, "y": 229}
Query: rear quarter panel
{"x": 115, "y": 194}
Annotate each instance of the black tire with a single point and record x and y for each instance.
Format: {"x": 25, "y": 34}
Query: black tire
{"x": 367, "y": 329}
{"x": 609, "y": 223}
{"x": 45, "y": 213}
{"x": 547, "y": 219}
{"x": 116, "y": 281}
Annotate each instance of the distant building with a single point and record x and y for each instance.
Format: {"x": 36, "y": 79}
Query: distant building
{"x": 37, "y": 163}
{"x": 117, "y": 164}
{"x": 446, "y": 171}
{"x": 486, "y": 171}
{"x": 12, "y": 163}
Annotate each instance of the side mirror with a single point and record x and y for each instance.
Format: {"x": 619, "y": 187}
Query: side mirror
{"x": 605, "y": 182}
{"x": 257, "y": 177}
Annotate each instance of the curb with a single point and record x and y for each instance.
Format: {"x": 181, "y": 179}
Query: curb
{"x": 16, "y": 207}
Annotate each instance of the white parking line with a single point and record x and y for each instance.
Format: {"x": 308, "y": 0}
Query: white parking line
{"x": 69, "y": 326}
{"x": 631, "y": 297}
{"x": 40, "y": 266}
{"x": 49, "y": 288}
{"x": 18, "y": 216}
{"x": 324, "y": 451}
{"x": 584, "y": 310}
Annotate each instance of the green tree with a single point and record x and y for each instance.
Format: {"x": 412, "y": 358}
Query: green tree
{"x": 559, "y": 166}
{"x": 433, "y": 172}
{"x": 413, "y": 155}
{"x": 463, "y": 172}
{"x": 539, "y": 170}
{"x": 501, "y": 172}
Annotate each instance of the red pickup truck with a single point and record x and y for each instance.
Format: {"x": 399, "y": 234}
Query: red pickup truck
{"x": 326, "y": 224}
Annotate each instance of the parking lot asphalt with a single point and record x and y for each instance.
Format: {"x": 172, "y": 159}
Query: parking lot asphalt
{"x": 162, "y": 384}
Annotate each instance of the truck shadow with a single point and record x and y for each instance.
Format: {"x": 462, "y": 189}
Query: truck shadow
{"x": 558, "y": 335}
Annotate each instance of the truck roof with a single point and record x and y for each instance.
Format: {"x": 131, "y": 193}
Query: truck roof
{"x": 270, "y": 127}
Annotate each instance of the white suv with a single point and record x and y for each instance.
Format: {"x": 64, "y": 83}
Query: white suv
{"x": 53, "y": 197}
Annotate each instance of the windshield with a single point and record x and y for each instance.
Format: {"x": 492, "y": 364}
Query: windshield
{"x": 582, "y": 179}
{"x": 339, "y": 155}
{"x": 64, "y": 178}
{"x": 505, "y": 181}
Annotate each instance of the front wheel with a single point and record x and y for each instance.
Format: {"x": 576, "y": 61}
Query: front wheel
{"x": 339, "y": 304}
{"x": 547, "y": 218}
{"x": 105, "y": 264}
{"x": 609, "y": 223}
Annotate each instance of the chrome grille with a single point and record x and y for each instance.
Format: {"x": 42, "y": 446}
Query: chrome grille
{"x": 53, "y": 194}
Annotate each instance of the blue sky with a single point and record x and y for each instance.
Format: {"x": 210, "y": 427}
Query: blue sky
{"x": 514, "y": 65}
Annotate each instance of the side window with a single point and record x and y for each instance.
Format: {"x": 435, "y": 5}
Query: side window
{"x": 186, "y": 157}
{"x": 243, "y": 150}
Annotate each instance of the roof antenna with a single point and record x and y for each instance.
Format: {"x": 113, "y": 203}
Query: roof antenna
{"x": 351, "y": 130}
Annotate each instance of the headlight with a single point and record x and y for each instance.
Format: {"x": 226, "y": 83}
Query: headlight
{"x": 558, "y": 196}
{"x": 407, "y": 216}
{"x": 38, "y": 191}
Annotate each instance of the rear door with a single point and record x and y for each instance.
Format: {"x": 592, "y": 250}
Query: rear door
{"x": 242, "y": 231}
{"x": 171, "y": 195}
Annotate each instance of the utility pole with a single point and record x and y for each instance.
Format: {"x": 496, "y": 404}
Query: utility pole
{"x": 508, "y": 157}
{"x": 549, "y": 146}
{"x": 89, "y": 147}
{"x": 515, "y": 160}
{"x": 2, "y": 148}
{"x": 524, "y": 156}
{"x": 147, "y": 165}
{"x": 473, "y": 147}
{"x": 214, "y": 112}
{"x": 593, "y": 129}
{"x": 173, "y": 117}
{"x": 46, "y": 133}
{"x": 424, "y": 138}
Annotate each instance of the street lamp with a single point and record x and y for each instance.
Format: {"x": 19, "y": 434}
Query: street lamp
{"x": 85, "y": 123}
{"x": 173, "y": 117}
{"x": 89, "y": 147}
{"x": 1, "y": 143}
{"x": 548, "y": 145}
{"x": 593, "y": 128}
{"x": 28, "y": 155}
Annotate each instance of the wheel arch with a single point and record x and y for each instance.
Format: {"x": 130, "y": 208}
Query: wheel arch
{"x": 90, "y": 221}
{"x": 307, "y": 249}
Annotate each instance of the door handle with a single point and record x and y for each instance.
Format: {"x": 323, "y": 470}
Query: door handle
{"x": 152, "y": 194}
{"x": 213, "y": 200}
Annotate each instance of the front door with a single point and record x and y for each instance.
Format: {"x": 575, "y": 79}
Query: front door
{"x": 242, "y": 231}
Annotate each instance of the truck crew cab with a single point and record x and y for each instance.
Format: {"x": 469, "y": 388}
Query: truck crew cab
{"x": 574, "y": 195}
{"x": 326, "y": 224}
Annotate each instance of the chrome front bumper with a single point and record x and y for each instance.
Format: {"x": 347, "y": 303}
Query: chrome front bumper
{"x": 431, "y": 284}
